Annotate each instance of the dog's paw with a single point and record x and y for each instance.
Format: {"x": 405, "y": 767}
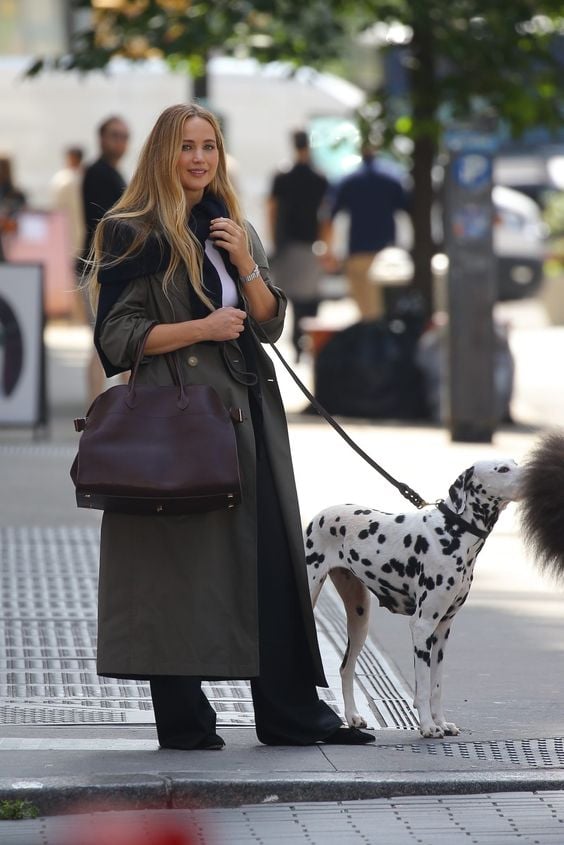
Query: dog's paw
{"x": 356, "y": 721}
{"x": 450, "y": 729}
{"x": 431, "y": 731}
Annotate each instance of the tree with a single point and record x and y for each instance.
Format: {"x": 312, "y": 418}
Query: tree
{"x": 184, "y": 31}
{"x": 463, "y": 58}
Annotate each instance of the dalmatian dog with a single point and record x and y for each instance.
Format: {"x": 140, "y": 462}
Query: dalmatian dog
{"x": 419, "y": 564}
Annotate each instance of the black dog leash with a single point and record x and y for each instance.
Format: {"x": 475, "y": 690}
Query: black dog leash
{"x": 406, "y": 491}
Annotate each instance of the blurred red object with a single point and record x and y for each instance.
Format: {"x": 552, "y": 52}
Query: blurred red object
{"x": 130, "y": 828}
{"x": 173, "y": 835}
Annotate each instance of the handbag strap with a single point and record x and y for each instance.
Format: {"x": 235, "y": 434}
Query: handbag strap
{"x": 406, "y": 491}
{"x": 172, "y": 362}
{"x": 170, "y": 357}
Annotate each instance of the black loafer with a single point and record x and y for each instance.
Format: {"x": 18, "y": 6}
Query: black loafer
{"x": 213, "y": 742}
{"x": 349, "y": 736}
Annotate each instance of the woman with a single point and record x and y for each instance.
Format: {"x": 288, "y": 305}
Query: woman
{"x": 221, "y": 594}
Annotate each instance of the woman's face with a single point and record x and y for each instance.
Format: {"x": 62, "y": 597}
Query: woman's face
{"x": 199, "y": 157}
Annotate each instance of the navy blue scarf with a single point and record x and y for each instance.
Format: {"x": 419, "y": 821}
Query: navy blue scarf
{"x": 154, "y": 257}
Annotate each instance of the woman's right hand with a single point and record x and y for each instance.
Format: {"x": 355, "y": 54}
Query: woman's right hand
{"x": 225, "y": 323}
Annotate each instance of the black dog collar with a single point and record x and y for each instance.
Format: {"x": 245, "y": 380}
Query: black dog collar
{"x": 453, "y": 517}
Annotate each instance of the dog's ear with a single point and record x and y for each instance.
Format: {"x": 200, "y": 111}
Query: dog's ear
{"x": 459, "y": 490}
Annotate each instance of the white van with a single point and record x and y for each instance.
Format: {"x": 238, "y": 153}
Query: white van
{"x": 519, "y": 243}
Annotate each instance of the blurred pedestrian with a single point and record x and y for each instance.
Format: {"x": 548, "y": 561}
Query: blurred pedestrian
{"x": 295, "y": 203}
{"x": 66, "y": 188}
{"x": 219, "y": 594}
{"x": 12, "y": 202}
{"x": 370, "y": 196}
{"x": 103, "y": 184}
{"x": 102, "y": 187}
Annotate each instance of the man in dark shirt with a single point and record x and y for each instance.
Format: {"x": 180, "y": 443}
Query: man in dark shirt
{"x": 102, "y": 187}
{"x": 103, "y": 184}
{"x": 295, "y": 201}
{"x": 371, "y": 197}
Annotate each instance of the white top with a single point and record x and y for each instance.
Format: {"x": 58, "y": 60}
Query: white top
{"x": 229, "y": 294}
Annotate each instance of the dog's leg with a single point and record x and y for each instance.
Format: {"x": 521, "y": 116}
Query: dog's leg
{"x": 437, "y": 665}
{"x": 317, "y": 559}
{"x": 356, "y": 599}
{"x": 315, "y": 589}
{"x": 423, "y": 635}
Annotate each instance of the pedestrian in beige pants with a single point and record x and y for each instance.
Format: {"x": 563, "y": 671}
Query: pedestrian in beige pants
{"x": 370, "y": 196}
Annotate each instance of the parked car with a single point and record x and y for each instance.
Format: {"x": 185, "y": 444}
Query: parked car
{"x": 519, "y": 243}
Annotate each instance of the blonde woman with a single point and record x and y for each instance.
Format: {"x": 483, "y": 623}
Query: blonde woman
{"x": 219, "y": 595}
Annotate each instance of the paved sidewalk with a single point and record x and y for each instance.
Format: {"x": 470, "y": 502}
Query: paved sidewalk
{"x": 71, "y": 741}
{"x": 499, "y": 819}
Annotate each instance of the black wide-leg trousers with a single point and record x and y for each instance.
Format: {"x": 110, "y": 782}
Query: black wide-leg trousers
{"x": 287, "y": 708}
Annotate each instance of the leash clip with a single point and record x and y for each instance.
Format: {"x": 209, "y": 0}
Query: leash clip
{"x": 413, "y": 497}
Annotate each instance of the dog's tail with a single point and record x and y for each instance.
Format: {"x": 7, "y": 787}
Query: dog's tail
{"x": 542, "y": 504}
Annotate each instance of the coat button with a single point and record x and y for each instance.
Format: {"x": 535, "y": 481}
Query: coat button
{"x": 192, "y": 360}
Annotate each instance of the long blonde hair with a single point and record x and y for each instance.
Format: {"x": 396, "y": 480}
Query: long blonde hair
{"x": 155, "y": 203}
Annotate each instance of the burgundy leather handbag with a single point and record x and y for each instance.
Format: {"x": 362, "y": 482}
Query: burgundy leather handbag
{"x": 157, "y": 450}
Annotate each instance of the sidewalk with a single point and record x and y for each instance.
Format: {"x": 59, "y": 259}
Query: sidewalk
{"x": 70, "y": 741}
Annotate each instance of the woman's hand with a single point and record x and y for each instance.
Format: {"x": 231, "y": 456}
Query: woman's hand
{"x": 224, "y": 324}
{"x": 260, "y": 301}
{"x": 226, "y": 234}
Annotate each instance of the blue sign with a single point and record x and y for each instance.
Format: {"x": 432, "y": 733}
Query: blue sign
{"x": 472, "y": 171}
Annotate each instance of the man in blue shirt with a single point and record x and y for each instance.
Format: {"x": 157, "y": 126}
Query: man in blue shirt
{"x": 371, "y": 197}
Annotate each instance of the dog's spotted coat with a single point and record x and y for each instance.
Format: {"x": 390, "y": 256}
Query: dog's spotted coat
{"x": 417, "y": 564}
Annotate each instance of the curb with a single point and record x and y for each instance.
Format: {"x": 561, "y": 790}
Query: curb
{"x": 54, "y": 796}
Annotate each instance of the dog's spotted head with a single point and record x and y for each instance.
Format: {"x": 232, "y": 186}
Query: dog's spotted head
{"x": 498, "y": 480}
{"x": 501, "y": 479}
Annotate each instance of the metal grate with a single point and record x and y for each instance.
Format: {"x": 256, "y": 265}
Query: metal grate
{"x": 37, "y": 450}
{"x": 533, "y": 753}
{"x": 48, "y": 597}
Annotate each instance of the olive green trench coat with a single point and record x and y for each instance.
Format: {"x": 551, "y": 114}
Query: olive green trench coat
{"x": 178, "y": 594}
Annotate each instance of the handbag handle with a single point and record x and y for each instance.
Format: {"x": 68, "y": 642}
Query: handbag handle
{"x": 183, "y": 400}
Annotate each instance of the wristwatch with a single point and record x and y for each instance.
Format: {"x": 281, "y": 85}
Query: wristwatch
{"x": 254, "y": 274}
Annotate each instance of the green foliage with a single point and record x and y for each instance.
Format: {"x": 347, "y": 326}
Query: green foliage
{"x": 554, "y": 214}
{"x": 185, "y": 31}
{"x": 464, "y": 56}
{"x": 471, "y": 57}
{"x": 11, "y": 810}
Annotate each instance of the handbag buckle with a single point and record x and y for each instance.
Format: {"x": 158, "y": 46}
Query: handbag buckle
{"x": 230, "y": 501}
